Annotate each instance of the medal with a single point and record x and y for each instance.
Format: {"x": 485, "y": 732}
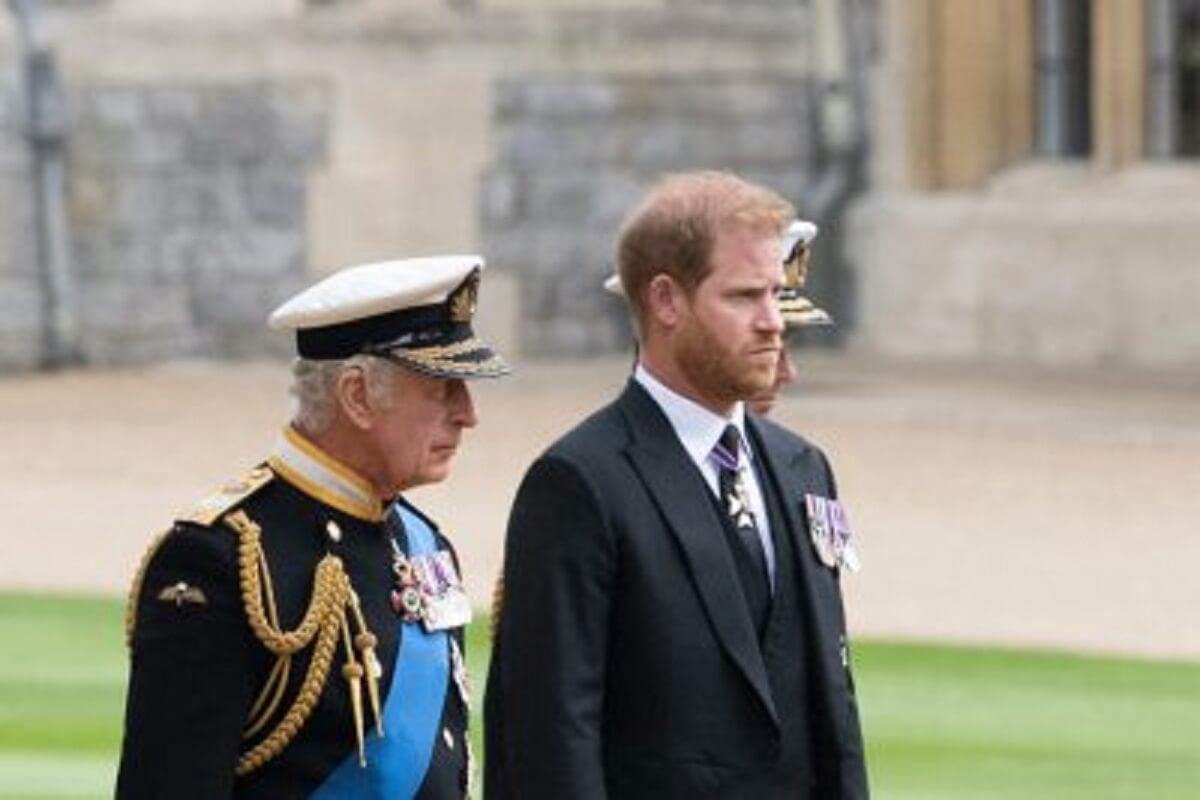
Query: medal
{"x": 829, "y": 529}
{"x": 428, "y": 590}
{"x": 820, "y": 530}
{"x": 445, "y": 601}
{"x": 843, "y": 545}
{"x": 406, "y": 593}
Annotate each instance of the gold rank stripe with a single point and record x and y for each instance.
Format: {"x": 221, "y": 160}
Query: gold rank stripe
{"x": 309, "y": 469}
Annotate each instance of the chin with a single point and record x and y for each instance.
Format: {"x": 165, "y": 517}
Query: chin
{"x": 761, "y": 388}
{"x": 430, "y": 474}
{"x": 763, "y": 405}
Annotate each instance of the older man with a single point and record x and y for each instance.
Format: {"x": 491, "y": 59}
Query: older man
{"x": 299, "y": 632}
{"x": 672, "y": 623}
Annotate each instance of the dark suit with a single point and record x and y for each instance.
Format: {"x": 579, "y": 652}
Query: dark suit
{"x": 626, "y": 664}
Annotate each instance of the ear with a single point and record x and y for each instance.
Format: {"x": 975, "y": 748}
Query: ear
{"x": 351, "y": 390}
{"x": 663, "y": 298}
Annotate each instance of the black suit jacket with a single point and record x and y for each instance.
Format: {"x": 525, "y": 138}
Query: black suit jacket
{"x": 626, "y": 664}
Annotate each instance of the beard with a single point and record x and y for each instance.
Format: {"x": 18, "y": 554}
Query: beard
{"x": 718, "y": 373}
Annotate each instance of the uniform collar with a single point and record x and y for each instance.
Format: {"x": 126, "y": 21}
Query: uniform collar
{"x": 314, "y": 472}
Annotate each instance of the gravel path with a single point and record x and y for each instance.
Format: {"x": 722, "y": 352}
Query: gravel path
{"x": 1044, "y": 510}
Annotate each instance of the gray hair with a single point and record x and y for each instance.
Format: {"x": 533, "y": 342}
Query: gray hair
{"x": 314, "y": 385}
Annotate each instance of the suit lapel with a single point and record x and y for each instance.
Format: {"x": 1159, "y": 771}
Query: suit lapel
{"x": 674, "y": 483}
{"x": 786, "y": 469}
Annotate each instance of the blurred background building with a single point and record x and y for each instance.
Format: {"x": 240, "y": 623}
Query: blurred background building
{"x": 997, "y": 180}
{"x": 1035, "y": 196}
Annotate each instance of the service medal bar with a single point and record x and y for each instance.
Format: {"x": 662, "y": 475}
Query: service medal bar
{"x": 429, "y": 590}
{"x": 829, "y": 530}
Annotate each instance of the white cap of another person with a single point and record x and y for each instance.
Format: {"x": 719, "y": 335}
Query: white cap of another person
{"x": 416, "y": 312}
{"x": 797, "y": 310}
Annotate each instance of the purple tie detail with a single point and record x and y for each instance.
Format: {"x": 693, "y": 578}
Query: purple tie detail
{"x": 725, "y": 451}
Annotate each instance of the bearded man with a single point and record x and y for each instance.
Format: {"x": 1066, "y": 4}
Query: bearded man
{"x": 671, "y": 624}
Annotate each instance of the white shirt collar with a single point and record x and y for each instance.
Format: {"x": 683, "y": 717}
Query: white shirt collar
{"x": 698, "y": 428}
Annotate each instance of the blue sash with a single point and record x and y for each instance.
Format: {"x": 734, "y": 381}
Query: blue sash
{"x": 397, "y": 761}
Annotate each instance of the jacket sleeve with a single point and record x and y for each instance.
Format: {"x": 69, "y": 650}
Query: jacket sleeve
{"x": 191, "y": 680}
{"x": 548, "y": 669}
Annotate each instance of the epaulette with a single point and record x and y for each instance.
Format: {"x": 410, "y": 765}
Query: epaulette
{"x": 211, "y": 508}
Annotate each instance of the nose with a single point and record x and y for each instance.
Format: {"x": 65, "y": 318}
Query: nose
{"x": 462, "y": 407}
{"x": 772, "y": 318}
{"x": 785, "y": 372}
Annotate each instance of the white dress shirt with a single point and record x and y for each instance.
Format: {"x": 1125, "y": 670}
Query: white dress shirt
{"x": 698, "y": 430}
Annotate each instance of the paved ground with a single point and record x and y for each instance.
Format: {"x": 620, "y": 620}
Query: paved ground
{"x": 1047, "y": 510}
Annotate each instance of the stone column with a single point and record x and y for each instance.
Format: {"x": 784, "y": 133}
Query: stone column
{"x": 1119, "y": 82}
{"x": 957, "y": 96}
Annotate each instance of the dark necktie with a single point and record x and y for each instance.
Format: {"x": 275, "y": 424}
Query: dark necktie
{"x": 735, "y": 501}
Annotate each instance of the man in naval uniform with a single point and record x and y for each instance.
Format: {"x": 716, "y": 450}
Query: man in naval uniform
{"x": 796, "y": 309}
{"x": 671, "y": 623}
{"x": 299, "y": 632}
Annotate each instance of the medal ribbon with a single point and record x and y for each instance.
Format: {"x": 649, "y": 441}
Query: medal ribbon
{"x": 397, "y": 762}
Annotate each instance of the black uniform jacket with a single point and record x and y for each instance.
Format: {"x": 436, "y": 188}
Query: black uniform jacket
{"x": 197, "y": 667}
{"x": 626, "y": 664}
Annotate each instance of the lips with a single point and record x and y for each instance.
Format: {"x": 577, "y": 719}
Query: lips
{"x": 772, "y": 352}
{"x": 768, "y": 345}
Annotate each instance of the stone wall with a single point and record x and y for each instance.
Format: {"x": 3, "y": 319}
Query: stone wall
{"x": 1051, "y": 266}
{"x": 425, "y": 100}
{"x": 187, "y": 211}
{"x": 572, "y": 156}
{"x": 20, "y": 291}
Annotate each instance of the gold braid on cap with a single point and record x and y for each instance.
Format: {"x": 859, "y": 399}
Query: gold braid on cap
{"x": 324, "y": 622}
{"x": 439, "y": 359}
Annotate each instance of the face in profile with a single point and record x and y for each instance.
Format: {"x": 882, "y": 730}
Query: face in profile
{"x": 729, "y": 336}
{"x": 785, "y": 375}
{"x": 417, "y": 436}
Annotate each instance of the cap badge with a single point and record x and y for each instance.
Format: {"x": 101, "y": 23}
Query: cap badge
{"x": 795, "y": 268}
{"x": 464, "y": 299}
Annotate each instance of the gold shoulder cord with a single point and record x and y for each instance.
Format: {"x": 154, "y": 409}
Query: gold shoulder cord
{"x": 325, "y": 619}
{"x": 497, "y": 602}
{"x": 135, "y": 589}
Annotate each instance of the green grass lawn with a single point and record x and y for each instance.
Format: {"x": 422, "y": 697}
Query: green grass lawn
{"x": 962, "y": 723}
{"x": 940, "y": 722}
